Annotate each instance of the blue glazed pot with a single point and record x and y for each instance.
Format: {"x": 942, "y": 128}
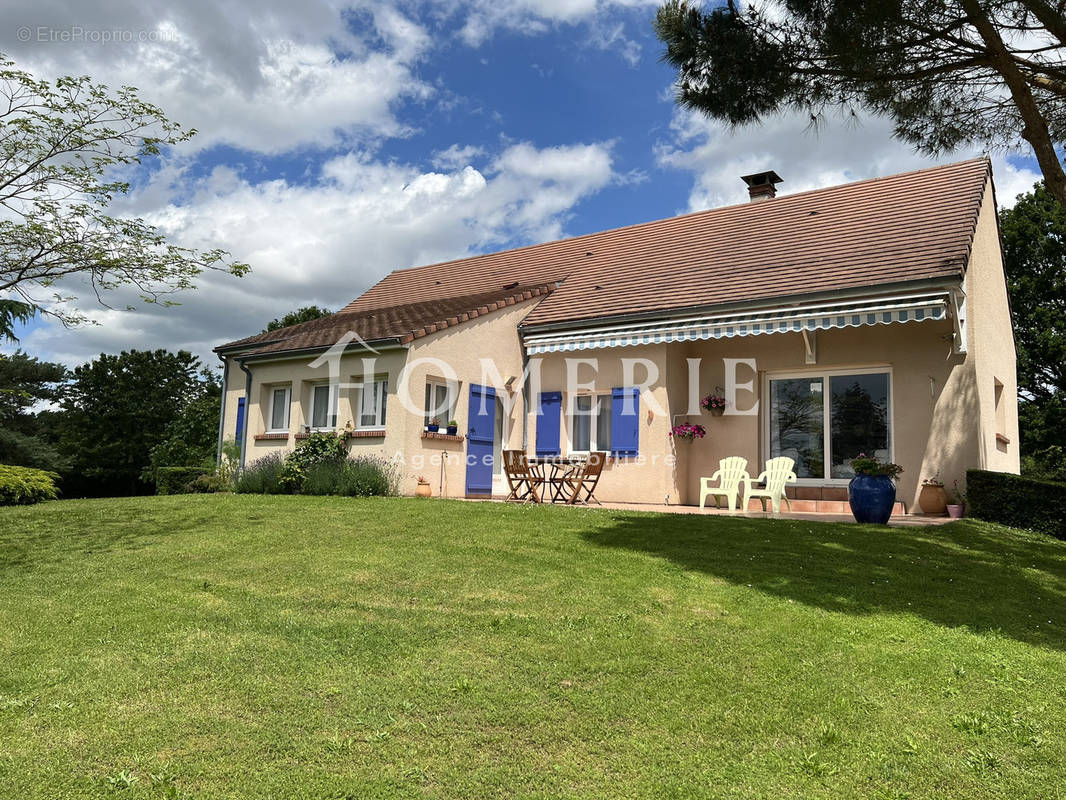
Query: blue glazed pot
{"x": 871, "y": 498}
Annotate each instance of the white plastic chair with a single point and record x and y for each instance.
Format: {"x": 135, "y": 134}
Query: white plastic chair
{"x": 778, "y": 472}
{"x": 731, "y": 473}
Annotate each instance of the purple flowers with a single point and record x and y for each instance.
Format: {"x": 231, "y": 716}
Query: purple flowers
{"x": 688, "y": 431}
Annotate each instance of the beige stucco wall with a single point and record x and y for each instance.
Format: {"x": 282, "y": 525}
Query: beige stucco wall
{"x": 648, "y": 478}
{"x": 991, "y": 343}
{"x": 298, "y": 375}
{"x": 493, "y": 336}
{"x": 933, "y": 417}
{"x": 929, "y": 394}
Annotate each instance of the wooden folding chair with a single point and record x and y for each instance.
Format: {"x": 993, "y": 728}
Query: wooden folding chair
{"x": 581, "y": 486}
{"x": 522, "y": 480}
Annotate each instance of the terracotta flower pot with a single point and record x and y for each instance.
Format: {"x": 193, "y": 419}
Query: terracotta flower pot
{"x": 932, "y": 499}
{"x": 954, "y": 511}
{"x": 423, "y": 490}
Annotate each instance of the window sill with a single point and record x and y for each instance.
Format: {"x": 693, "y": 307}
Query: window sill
{"x": 442, "y": 437}
{"x": 272, "y": 437}
{"x": 376, "y": 433}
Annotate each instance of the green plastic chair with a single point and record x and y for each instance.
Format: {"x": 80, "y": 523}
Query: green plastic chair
{"x": 731, "y": 473}
{"x": 778, "y": 472}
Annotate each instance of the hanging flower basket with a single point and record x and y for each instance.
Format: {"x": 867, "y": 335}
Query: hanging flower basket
{"x": 715, "y": 403}
{"x": 688, "y": 432}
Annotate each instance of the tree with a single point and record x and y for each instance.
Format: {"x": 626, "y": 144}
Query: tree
{"x": 118, "y": 408}
{"x": 61, "y": 147}
{"x": 1034, "y": 256}
{"x": 191, "y": 439}
{"x": 25, "y": 383}
{"x": 305, "y": 314}
{"x": 948, "y": 72}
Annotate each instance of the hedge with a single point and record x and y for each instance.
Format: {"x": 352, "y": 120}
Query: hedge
{"x": 1017, "y": 501}
{"x": 22, "y": 486}
{"x": 176, "y": 480}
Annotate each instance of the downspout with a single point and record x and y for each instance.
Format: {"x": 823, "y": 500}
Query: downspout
{"x": 247, "y": 406}
{"x": 525, "y": 396}
{"x": 222, "y": 412}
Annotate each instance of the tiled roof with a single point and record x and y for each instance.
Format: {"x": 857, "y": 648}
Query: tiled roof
{"x": 875, "y": 232}
{"x": 403, "y": 323}
{"x": 901, "y": 228}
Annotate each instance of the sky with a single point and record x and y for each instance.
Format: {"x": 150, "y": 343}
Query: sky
{"x": 338, "y": 141}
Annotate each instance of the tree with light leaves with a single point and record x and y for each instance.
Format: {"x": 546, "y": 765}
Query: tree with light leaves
{"x": 63, "y": 145}
{"x": 947, "y": 72}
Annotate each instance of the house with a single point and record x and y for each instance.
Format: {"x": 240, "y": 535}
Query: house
{"x": 869, "y": 317}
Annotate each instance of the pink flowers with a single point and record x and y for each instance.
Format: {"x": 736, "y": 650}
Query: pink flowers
{"x": 688, "y": 431}
{"x": 713, "y": 402}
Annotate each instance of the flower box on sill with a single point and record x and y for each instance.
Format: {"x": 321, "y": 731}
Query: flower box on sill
{"x": 442, "y": 437}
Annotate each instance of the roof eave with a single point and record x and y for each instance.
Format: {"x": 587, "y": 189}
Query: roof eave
{"x": 390, "y": 343}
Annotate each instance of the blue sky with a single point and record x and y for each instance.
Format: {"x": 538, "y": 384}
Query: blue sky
{"x": 341, "y": 140}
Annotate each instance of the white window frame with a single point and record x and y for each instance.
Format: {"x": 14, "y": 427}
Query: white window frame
{"x": 594, "y": 415}
{"x": 825, "y": 374}
{"x": 451, "y": 389}
{"x": 380, "y": 384}
{"x": 288, "y": 408}
{"x": 331, "y": 408}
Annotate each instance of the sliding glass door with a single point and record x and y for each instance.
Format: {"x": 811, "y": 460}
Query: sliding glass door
{"x": 824, "y": 420}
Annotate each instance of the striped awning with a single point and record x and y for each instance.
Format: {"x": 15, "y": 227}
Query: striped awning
{"x": 791, "y": 319}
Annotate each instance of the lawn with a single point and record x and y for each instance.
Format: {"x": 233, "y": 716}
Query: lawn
{"x": 307, "y": 647}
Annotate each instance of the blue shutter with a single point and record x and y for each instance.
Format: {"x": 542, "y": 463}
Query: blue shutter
{"x": 625, "y": 421}
{"x": 549, "y": 417}
{"x": 240, "y": 419}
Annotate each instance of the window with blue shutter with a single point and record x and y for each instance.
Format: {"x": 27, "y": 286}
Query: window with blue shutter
{"x": 625, "y": 421}
{"x": 240, "y": 418}
{"x": 549, "y": 417}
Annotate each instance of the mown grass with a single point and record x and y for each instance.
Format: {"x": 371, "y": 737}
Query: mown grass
{"x": 319, "y": 647}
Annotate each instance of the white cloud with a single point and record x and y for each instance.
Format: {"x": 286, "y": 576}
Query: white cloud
{"x": 267, "y": 77}
{"x": 326, "y": 242}
{"x": 456, "y": 156}
{"x": 804, "y": 158}
{"x": 481, "y": 18}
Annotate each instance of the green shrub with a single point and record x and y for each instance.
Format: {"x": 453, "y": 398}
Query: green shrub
{"x": 316, "y": 449}
{"x": 23, "y": 486}
{"x": 369, "y": 476}
{"x": 262, "y": 476}
{"x": 207, "y": 484}
{"x": 1017, "y": 501}
{"x": 174, "y": 480}
{"x": 365, "y": 476}
{"x": 230, "y": 461}
{"x": 325, "y": 477}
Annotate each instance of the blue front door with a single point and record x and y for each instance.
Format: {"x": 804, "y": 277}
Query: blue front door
{"x": 482, "y": 426}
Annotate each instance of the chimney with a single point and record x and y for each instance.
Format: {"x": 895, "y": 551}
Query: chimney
{"x": 761, "y": 185}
